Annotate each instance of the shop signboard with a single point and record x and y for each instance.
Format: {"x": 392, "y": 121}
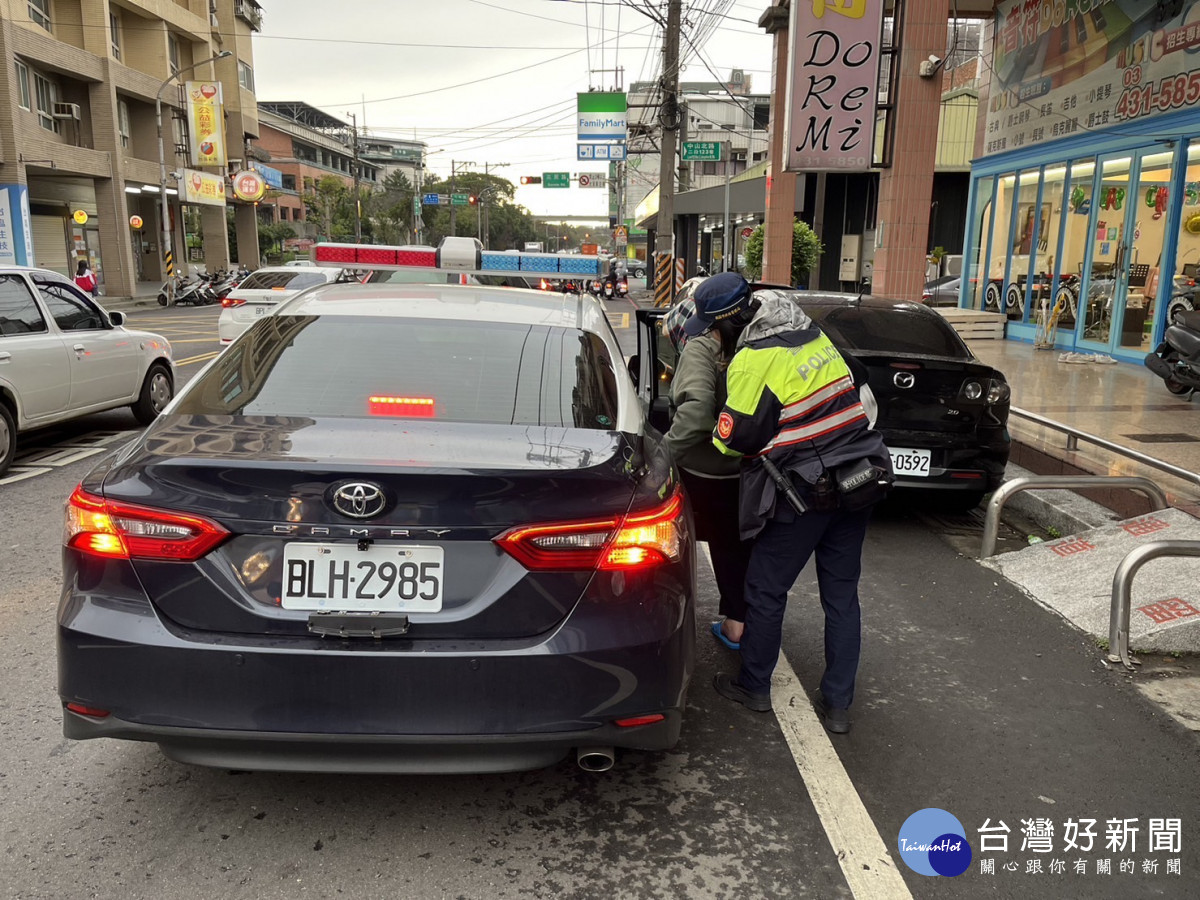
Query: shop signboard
{"x": 202, "y": 188}
{"x": 602, "y": 116}
{"x": 832, "y": 78}
{"x": 273, "y": 177}
{"x": 1063, "y": 68}
{"x": 248, "y": 185}
{"x": 206, "y": 123}
{"x": 16, "y": 237}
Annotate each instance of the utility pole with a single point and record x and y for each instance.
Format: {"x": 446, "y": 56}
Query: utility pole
{"x": 685, "y": 169}
{"x": 669, "y": 118}
{"x": 453, "y": 183}
{"x": 355, "y": 171}
{"x": 484, "y": 224}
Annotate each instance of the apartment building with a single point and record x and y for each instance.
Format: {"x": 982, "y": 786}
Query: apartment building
{"x": 305, "y": 144}
{"x": 78, "y": 139}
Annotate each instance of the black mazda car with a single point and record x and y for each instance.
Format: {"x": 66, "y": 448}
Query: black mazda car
{"x": 393, "y": 527}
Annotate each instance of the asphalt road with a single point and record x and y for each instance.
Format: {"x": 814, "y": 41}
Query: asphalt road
{"x": 971, "y": 698}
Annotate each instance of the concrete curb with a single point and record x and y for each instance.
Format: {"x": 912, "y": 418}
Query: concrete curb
{"x": 127, "y": 304}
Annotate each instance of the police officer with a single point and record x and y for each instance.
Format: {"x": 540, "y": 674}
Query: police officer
{"x": 792, "y": 400}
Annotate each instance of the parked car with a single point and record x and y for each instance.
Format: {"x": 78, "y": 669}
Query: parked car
{"x": 943, "y": 414}
{"x": 265, "y": 289}
{"x": 942, "y": 291}
{"x": 391, "y": 528}
{"x": 63, "y": 356}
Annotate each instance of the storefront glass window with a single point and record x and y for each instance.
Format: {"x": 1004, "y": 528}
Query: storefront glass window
{"x": 1185, "y": 292}
{"x": 1001, "y": 244}
{"x": 1027, "y": 247}
{"x": 1075, "y": 209}
{"x": 982, "y": 231}
{"x": 1107, "y": 241}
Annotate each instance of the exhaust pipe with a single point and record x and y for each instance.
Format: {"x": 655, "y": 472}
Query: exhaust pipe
{"x": 594, "y": 759}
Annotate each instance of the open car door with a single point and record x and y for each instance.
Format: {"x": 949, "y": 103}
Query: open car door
{"x": 653, "y": 367}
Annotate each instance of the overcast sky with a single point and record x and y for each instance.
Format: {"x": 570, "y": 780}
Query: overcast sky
{"x": 397, "y": 55}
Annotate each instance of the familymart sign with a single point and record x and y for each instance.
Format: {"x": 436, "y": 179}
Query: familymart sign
{"x": 603, "y": 116}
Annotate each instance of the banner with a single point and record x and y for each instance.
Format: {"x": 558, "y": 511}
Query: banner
{"x": 273, "y": 177}
{"x": 203, "y": 188}
{"x": 1060, "y": 67}
{"x": 16, "y": 236}
{"x": 602, "y": 116}
{"x": 206, "y": 123}
{"x": 832, "y": 81}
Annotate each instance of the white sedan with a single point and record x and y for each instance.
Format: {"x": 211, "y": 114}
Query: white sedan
{"x": 265, "y": 289}
{"x": 63, "y": 356}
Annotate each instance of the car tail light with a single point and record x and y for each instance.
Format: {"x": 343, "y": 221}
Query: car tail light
{"x": 635, "y": 721}
{"x": 926, "y": 296}
{"x": 998, "y": 392}
{"x": 402, "y": 407}
{"x": 91, "y": 711}
{"x": 636, "y": 541}
{"x": 972, "y": 390}
{"x": 231, "y": 302}
{"x": 126, "y": 531}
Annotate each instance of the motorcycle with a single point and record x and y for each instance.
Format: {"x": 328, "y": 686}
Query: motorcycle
{"x": 596, "y": 287}
{"x": 608, "y": 289}
{"x": 622, "y": 287}
{"x": 1177, "y": 359}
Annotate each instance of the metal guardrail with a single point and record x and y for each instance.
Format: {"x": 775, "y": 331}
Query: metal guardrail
{"x": 1074, "y": 436}
{"x": 991, "y": 523}
{"x": 1118, "y": 621}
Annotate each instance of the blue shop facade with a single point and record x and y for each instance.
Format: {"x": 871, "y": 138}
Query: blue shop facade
{"x": 1084, "y": 213}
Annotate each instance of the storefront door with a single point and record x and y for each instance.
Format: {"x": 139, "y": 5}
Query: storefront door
{"x": 1127, "y": 233}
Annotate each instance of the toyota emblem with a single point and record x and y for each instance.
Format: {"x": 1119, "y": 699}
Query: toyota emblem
{"x": 359, "y": 499}
{"x": 904, "y": 380}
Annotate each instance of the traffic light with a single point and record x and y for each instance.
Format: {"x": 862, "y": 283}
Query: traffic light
{"x": 531, "y": 179}
{"x": 472, "y": 199}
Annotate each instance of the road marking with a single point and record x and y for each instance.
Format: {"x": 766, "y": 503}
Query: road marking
{"x": 203, "y": 357}
{"x": 861, "y": 852}
{"x": 618, "y": 320}
{"x": 207, "y": 340}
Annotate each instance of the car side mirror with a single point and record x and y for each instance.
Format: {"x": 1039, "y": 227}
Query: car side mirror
{"x": 116, "y": 318}
{"x": 633, "y": 366}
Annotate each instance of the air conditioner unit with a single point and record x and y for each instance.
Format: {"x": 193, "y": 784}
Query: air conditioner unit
{"x": 739, "y": 155}
{"x": 66, "y": 111}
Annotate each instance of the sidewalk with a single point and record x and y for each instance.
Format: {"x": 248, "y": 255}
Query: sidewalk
{"x": 1123, "y": 403}
{"x": 145, "y": 294}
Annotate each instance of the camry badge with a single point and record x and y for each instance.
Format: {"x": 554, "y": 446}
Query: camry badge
{"x": 904, "y": 380}
{"x": 359, "y": 499}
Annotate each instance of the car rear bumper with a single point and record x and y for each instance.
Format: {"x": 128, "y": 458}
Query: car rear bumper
{"x": 364, "y": 754}
{"x": 974, "y": 462}
{"x": 364, "y": 705}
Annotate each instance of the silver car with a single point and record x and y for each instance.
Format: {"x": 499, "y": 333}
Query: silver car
{"x": 63, "y": 356}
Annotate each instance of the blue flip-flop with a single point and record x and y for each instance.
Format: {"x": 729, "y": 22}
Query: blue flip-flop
{"x": 720, "y": 636}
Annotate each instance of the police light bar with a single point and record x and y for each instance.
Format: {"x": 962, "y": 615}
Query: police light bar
{"x": 454, "y": 254}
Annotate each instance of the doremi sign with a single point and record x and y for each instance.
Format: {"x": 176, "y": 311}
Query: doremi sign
{"x": 707, "y": 151}
{"x": 833, "y": 70}
{"x": 556, "y": 179}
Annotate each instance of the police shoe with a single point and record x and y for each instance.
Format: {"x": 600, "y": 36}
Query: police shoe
{"x": 836, "y": 721}
{"x": 731, "y": 690}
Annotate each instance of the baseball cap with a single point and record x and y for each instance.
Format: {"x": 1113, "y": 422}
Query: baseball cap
{"x": 717, "y": 298}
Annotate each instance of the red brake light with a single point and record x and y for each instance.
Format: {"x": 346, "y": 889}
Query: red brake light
{"x": 126, "y": 531}
{"x": 230, "y": 302}
{"x": 94, "y": 712}
{"x": 402, "y": 407}
{"x": 635, "y": 721}
{"x": 636, "y": 541}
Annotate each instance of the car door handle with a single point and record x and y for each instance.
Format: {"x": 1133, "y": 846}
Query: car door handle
{"x": 79, "y": 348}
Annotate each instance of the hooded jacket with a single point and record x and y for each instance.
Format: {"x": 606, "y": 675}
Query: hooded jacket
{"x": 791, "y": 398}
{"x": 697, "y": 395}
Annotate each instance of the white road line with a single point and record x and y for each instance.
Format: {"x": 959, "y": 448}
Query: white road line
{"x": 853, "y": 835}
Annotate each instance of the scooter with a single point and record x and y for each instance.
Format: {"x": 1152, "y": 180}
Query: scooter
{"x": 608, "y": 289}
{"x": 622, "y": 287}
{"x": 1177, "y": 359}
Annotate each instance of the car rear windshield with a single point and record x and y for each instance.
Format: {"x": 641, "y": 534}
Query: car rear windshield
{"x": 295, "y": 280}
{"x": 874, "y": 330}
{"x": 445, "y": 370}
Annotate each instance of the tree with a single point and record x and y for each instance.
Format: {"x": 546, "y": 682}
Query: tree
{"x": 806, "y": 252}
{"x": 390, "y": 209}
{"x": 325, "y": 198}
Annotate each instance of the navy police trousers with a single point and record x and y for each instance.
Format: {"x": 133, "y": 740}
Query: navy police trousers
{"x": 781, "y": 551}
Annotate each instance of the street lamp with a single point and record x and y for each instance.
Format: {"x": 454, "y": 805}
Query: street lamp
{"x": 162, "y": 164}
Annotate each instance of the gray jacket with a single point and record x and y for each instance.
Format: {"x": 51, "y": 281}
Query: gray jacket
{"x": 697, "y": 395}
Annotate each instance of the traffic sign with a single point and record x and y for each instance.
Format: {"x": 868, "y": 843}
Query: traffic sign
{"x": 747, "y": 232}
{"x": 709, "y": 151}
{"x": 443, "y": 199}
{"x": 592, "y": 180}
{"x": 430, "y": 199}
{"x": 458, "y": 199}
{"x": 556, "y": 179}
{"x": 620, "y": 234}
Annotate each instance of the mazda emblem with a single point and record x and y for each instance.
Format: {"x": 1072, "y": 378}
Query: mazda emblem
{"x": 904, "y": 380}
{"x": 359, "y": 499}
